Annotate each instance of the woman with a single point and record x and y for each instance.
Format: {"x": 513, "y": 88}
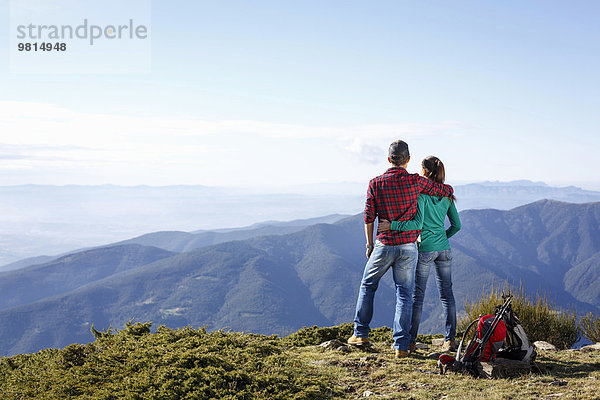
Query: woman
{"x": 434, "y": 250}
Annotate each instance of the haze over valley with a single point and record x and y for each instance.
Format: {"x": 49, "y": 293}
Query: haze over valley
{"x": 51, "y": 220}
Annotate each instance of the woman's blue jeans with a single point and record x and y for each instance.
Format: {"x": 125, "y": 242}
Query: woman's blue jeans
{"x": 442, "y": 261}
{"x": 402, "y": 259}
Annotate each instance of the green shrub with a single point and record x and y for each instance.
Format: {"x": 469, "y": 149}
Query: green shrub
{"x": 315, "y": 335}
{"x": 589, "y": 326}
{"x": 74, "y": 355}
{"x": 541, "y": 319}
{"x": 169, "y": 364}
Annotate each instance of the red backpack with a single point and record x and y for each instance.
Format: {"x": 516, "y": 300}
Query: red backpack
{"x": 494, "y": 343}
{"x": 487, "y": 339}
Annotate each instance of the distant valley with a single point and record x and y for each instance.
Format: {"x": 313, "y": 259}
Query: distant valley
{"x": 178, "y": 241}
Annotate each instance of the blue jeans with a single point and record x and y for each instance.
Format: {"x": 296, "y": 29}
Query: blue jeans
{"x": 403, "y": 260}
{"x": 442, "y": 260}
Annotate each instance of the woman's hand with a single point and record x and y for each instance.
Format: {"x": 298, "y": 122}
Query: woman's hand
{"x": 383, "y": 225}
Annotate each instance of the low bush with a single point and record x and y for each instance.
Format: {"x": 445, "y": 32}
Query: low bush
{"x": 169, "y": 364}
{"x": 314, "y": 335}
{"x": 541, "y": 319}
{"x": 589, "y": 326}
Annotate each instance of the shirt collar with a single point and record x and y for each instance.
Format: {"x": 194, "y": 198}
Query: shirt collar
{"x": 396, "y": 170}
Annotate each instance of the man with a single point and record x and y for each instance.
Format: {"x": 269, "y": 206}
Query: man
{"x": 392, "y": 196}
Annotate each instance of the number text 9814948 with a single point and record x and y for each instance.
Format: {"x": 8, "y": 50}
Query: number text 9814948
{"x": 44, "y": 46}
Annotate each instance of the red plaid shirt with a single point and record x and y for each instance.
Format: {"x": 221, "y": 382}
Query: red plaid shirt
{"x": 393, "y": 196}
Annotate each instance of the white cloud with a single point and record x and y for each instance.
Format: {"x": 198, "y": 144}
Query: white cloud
{"x": 371, "y": 154}
{"x": 35, "y": 121}
{"x": 39, "y": 136}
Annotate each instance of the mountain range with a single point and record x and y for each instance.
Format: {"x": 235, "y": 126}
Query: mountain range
{"x": 53, "y": 220}
{"x": 279, "y": 283}
{"x": 180, "y": 241}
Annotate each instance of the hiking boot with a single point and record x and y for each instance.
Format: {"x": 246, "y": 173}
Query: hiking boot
{"x": 450, "y": 345}
{"x": 412, "y": 347}
{"x": 401, "y": 354}
{"x": 358, "y": 340}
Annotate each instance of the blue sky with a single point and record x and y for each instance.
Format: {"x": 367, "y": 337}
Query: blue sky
{"x": 268, "y": 93}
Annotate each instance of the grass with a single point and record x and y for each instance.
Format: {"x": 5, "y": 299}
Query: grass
{"x": 540, "y": 319}
{"x": 568, "y": 374}
{"x": 589, "y": 326}
{"x": 194, "y": 364}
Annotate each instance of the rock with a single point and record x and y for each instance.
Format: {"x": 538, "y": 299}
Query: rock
{"x": 437, "y": 342}
{"x": 343, "y": 349}
{"x": 558, "y": 383}
{"x": 422, "y": 346}
{"x": 335, "y": 345}
{"x": 503, "y": 368}
{"x": 368, "y": 358}
{"x": 367, "y": 393}
{"x": 426, "y": 371}
{"x": 434, "y": 356}
{"x": 332, "y": 344}
{"x": 591, "y": 347}
{"x": 541, "y": 345}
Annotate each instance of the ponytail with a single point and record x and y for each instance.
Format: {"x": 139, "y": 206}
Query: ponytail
{"x": 435, "y": 171}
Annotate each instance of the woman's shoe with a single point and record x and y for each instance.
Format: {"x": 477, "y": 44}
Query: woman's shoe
{"x": 450, "y": 345}
{"x": 401, "y": 354}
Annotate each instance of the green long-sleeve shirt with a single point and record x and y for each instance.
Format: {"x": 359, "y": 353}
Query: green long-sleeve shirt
{"x": 430, "y": 217}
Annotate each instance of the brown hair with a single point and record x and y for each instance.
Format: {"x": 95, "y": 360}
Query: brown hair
{"x": 434, "y": 170}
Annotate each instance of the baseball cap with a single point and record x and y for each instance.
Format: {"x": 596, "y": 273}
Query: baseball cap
{"x": 399, "y": 148}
